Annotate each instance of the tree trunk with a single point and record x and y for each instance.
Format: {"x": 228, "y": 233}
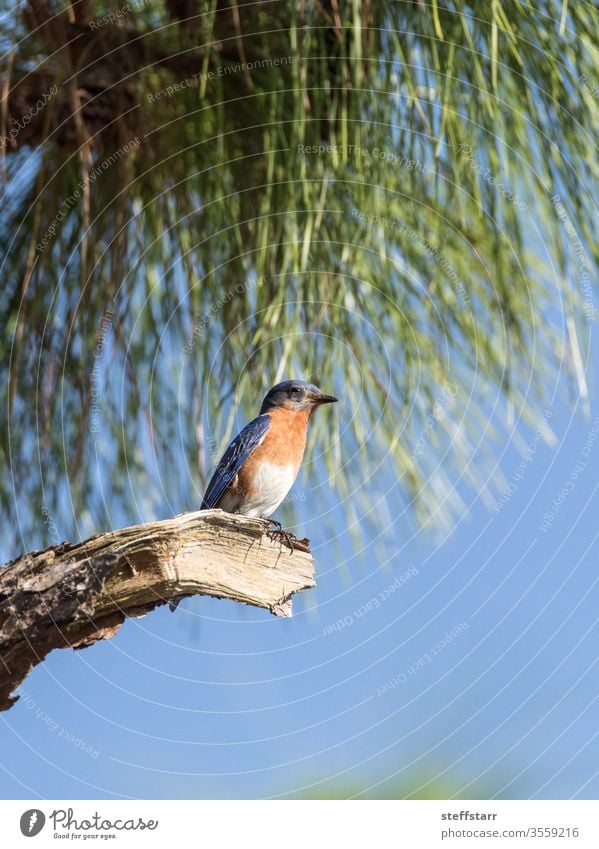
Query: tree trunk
{"x": 74, "y": 594}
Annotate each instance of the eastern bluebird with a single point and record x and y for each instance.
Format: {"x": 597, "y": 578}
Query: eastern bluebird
{"x": 259, "y": 467}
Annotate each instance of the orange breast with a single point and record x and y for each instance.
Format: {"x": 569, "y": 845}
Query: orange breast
{"x": 283, "y": 445}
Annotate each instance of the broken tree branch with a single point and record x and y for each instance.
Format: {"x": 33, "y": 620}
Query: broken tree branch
{"x": 75, "y": 594}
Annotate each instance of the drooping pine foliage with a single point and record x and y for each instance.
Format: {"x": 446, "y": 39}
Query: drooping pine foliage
{"x": 395, "y": 199}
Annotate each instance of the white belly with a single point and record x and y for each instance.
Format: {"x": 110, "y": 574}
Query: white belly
{"x": 270, "y": 486}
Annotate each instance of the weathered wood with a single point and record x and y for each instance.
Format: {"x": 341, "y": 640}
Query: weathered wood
{"x": 77, "y": 593}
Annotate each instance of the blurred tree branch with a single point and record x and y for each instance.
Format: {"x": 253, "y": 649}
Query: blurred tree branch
{"x": 74, "y": 594}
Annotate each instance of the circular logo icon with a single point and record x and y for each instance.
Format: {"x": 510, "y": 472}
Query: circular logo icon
{"x": 32, "y": 822}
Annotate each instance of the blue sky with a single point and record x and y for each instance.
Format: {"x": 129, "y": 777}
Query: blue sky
{"x": 427, "y": 661}
{"x": 477, "y": 673}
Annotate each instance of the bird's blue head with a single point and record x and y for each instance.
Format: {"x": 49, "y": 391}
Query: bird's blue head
{"x": 295, "y": 395}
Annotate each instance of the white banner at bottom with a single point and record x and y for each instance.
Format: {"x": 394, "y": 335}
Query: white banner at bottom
{"x": 301, "y": 824}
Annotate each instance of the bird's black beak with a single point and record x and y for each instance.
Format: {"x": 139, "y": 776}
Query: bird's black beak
{"x": 324, "y": 399}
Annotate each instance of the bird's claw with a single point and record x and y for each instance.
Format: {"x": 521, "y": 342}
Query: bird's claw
{"x": 278, "y": 534}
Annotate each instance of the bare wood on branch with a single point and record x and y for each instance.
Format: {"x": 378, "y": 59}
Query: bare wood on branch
{"x": 74, "y": 594}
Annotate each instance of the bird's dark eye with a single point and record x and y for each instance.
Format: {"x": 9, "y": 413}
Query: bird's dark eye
{"x": 296, "y": 392}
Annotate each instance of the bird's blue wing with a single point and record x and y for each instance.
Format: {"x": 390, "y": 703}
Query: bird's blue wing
{"x": 233, "y": 459}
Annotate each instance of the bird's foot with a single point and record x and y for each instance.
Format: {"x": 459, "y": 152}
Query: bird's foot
{"x": 278, "y": 534}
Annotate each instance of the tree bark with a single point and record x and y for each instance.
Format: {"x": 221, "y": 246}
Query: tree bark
{"x": 74, "y": 594}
